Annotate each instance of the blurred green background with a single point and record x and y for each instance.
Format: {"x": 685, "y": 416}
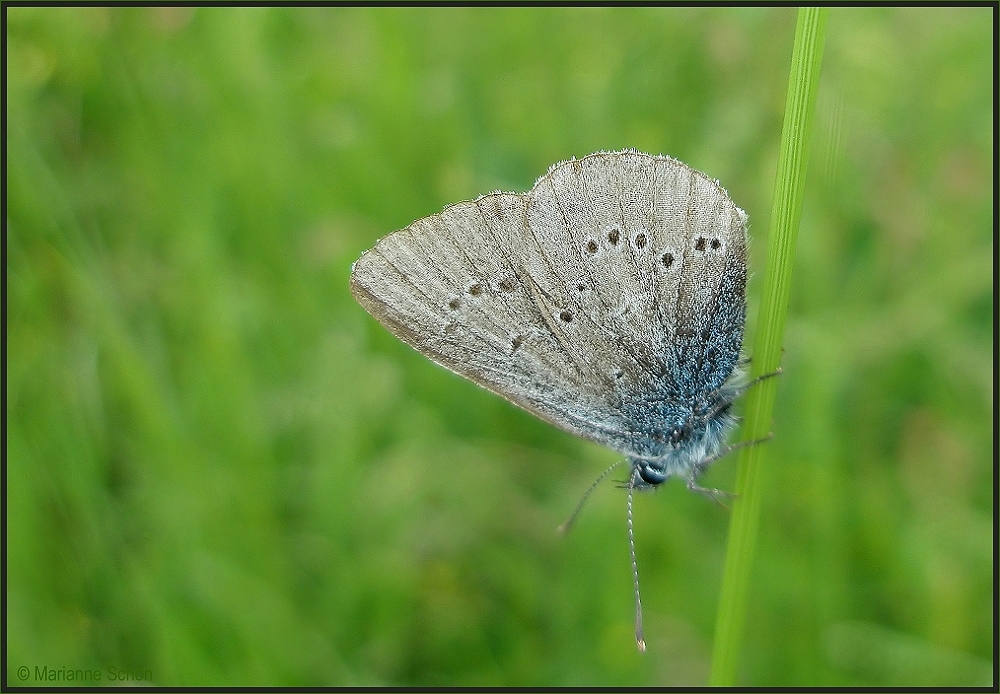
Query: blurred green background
{"x": 222, "y": 471}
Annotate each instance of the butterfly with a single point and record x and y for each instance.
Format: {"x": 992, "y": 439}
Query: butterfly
{"x": 608, "y": 300}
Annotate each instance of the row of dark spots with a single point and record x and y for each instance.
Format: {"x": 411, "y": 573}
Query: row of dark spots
{"x": 699, "y": 245}
{"x": 476, "y": 289}
{"x": 614, "y": 236}
{"x": 640, "y": 242}
{"x": 667, "y": 258}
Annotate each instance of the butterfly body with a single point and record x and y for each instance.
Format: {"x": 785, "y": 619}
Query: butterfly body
{"x": 678, "y": 436}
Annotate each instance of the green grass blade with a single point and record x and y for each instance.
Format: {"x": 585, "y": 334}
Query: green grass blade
{"x": 807, "y": 53}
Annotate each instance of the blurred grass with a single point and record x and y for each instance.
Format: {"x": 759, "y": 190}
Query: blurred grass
{"x": 221, "y": 470}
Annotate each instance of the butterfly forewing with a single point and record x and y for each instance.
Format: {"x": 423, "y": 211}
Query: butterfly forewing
{"x": 455, "y": 287}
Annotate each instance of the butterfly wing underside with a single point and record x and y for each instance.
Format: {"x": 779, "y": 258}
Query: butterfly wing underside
{"x": 600, "y": 284}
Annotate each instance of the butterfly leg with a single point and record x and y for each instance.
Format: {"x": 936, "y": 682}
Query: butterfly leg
{"x": 747, "y": 360}
{"x": 762, "y": 377}
{"x": 738, "y": 392}
{"x": 714, "y": 494}
{"x": 699, "y": 468}
{"x": 701, "y": 465}
{"x": 754, "y": 381}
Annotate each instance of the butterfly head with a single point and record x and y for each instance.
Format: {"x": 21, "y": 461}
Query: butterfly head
{"x": 682, "y": 448}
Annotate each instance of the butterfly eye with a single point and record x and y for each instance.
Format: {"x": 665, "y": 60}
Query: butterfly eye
{"x": 651, "y": 475}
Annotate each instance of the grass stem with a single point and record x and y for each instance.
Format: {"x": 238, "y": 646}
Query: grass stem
{"x": 807, "y": 53}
